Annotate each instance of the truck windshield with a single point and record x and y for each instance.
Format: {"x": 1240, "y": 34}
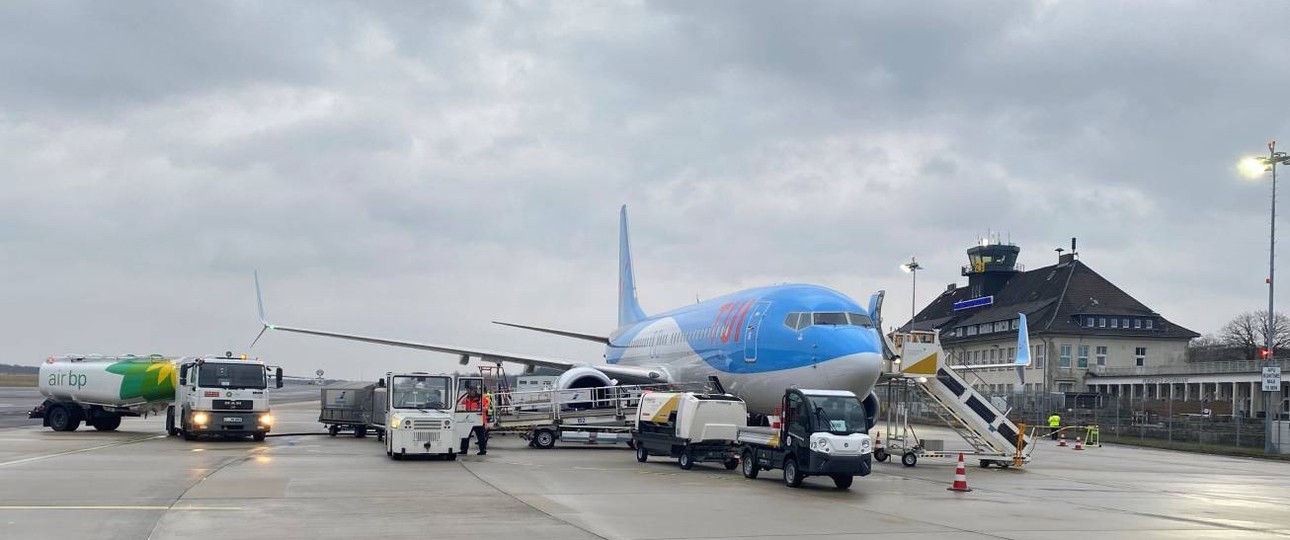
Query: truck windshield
{"x": 838, "y": 414}
{"x": 212, "y": 375}
{"x": 420, "y": 392}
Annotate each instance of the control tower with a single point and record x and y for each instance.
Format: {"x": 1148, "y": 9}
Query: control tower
{"x": 990, "y": 266}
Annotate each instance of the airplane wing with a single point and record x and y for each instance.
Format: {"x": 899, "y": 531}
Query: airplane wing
{"x": 641, "y": 374}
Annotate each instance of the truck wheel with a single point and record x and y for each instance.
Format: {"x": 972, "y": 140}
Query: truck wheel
{"x": 544, "y": 439}
{"x": 641, "y": 454}
{"x": 881, "y": 455}
{"x": 792, "y": 476}
{"x": 380, "y": 435}
{"x": 188, "y": 435}
{"x": 843, "y": 481}
{"x": 62, "y": 419}
{"x": 360, "y": 432}
{"x": 750, "y": 465}
{"x": 452, "y": 456}
{"x": 686, "y": 462}
{"x": 332, "y": 430}
{"x": 731, "y": 464}
{"x": 398, "y": 456}
{"x": 909, "y": 459}
{"x": 107, "y": 423}
{"x": 258, "y": 437}
{"x": 171, "y": 430}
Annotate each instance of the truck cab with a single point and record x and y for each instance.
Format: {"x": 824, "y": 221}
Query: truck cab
{"x": 222, "y": 395}
{"x": 419, "y": 415}
{"x": 823, "y": 433}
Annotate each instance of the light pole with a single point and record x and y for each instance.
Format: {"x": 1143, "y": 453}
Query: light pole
{"x": 912, "y": 267}
{"x": 1255, "y": 167}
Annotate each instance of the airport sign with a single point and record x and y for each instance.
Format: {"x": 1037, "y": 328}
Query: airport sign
{"x": 1271, "y": 379}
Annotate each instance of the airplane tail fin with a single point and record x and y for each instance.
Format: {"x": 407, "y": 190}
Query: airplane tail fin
{"x": 629, "y": 310}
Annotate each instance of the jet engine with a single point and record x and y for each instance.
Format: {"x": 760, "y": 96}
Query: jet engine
{"x": 582, "y": 377}
{"x": 870, "y": 404}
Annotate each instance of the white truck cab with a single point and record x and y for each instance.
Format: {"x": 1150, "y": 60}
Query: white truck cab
{"x": 420, "y": 417}
{"x": 222, "y": 395}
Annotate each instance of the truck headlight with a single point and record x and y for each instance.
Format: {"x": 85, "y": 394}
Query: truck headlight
{"x": 825, "y": 447}
{"x": 394, "y": 422}
{"x": 200, "y": 418}
{"x": 266, "y": 419}
{"x": 866, "y": 446}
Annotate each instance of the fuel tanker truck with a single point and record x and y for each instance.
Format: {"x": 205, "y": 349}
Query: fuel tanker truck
{"x": 209, "y": 395}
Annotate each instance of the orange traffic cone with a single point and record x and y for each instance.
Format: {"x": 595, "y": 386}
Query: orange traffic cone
{"x": 960, "y": 478}
{"x": 1061, "y": 441}
{"x": 1079, "y": 443}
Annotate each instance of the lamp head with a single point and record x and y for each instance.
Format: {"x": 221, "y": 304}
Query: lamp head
{"x": 1252, "y": 167}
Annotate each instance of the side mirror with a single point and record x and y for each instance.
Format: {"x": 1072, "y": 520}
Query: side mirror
{"x": 278, "y": 377}
{"x": 183, "y": 375}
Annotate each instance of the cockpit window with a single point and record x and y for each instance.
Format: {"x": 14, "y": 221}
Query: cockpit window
{"x": 830, "y": 318}
{"x": 799, "y": 320}
{"x": 860, "y": 319}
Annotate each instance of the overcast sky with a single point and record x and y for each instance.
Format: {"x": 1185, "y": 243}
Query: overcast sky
{"x": 416, "y": 170}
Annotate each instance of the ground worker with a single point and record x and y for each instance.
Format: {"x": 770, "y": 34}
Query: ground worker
{"x": 472, "y": 402}
{"x": 1054, "y": 424}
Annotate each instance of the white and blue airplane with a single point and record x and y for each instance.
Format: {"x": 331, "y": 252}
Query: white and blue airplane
{"x": 757, "y": 342}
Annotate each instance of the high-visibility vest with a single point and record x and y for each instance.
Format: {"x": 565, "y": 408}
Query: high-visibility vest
{"x": 1054, "y": 421}
{"x": 487, "y": 409}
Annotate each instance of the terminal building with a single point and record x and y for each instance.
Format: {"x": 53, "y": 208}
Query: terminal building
{"x": 1087, "y": 335}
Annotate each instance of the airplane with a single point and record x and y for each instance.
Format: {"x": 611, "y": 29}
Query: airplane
{"x": 757, "y": 342}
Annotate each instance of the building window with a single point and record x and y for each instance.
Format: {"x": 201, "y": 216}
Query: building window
{"x": 1140, "y": 356}
{"x": 1039, "y": 354}
{"x": 972, "y": 330}
{"x": 1065, "y": 387}
{"x": 1088, "y": 322}
{"x": 1148, "y": 324}
{"x": 1015, "y": 324}
{"x": 1115, "y": 323}
{"x": 1101, "y": 356}
{"x": 1082, "y": 360}
{"x": 1101, "y": 322}
{"x": 1124, "y": 323}
{"x": 1064, "y": 357}
{"x": 1137, "y": 323}
{"x": 1012, "y": 354}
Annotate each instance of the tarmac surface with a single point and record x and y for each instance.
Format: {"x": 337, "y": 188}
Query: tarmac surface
{"x": 137, "y": 483}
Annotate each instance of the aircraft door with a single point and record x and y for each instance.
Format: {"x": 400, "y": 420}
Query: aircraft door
{"x": 755, "y": 315}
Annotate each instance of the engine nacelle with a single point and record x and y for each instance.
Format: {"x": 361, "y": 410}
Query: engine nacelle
{"x": 582, "y": 377}
{"x": 870, "y": 404}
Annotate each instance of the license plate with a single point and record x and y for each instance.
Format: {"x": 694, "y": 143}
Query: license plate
{"x": 234, "y": 419}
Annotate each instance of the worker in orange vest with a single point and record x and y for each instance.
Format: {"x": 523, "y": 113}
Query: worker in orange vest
{"x": 473, "y": 402}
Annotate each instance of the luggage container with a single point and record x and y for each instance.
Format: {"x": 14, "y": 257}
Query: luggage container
{"x": 347, "y": 406}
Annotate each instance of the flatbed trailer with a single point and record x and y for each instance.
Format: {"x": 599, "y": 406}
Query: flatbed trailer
{"x": 594, "y": 416}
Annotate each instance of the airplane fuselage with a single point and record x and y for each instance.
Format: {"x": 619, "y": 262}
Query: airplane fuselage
{"x": 758, "y": 342}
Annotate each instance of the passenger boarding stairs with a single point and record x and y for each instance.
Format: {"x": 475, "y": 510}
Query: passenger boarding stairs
{"x": 987, "y": 430}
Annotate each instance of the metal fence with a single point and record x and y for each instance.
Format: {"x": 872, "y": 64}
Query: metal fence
{"x": 1193, "y": 425}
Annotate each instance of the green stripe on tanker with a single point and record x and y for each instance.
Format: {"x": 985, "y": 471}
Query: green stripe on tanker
{"x": 153, "y": 381}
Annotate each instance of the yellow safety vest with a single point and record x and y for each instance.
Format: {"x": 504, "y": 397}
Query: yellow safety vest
{"x": 1054, "y": 421}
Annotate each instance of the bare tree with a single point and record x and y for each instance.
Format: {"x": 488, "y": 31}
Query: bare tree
{"x": 1248, "y": 332}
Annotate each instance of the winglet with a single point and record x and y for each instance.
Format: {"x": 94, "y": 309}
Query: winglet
{"x": 259, "y": 303}
{"x": 629, "y": 310}
{"x": 1023, "y": 343}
